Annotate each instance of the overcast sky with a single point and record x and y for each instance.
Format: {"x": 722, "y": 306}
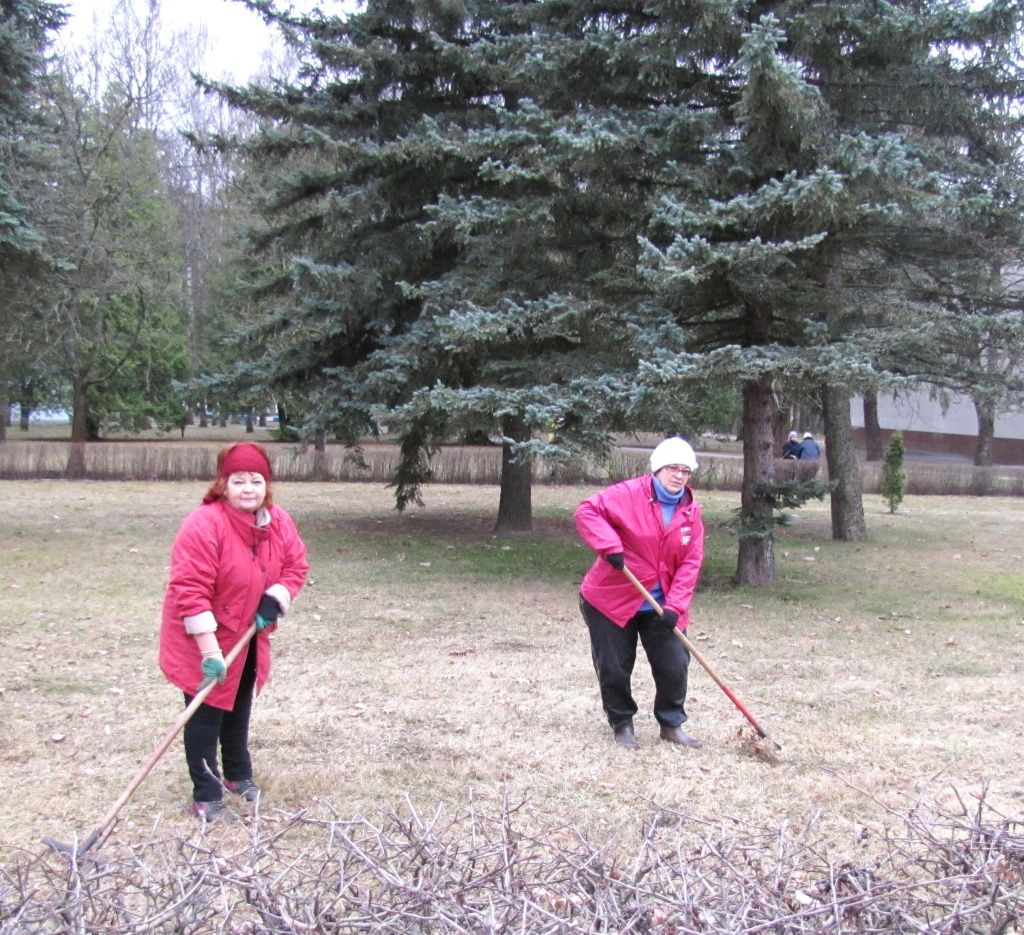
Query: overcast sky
{"x": 237, "y": 37}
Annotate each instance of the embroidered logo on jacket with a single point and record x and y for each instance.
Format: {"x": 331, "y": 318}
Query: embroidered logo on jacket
{"x": 684, "y": 535}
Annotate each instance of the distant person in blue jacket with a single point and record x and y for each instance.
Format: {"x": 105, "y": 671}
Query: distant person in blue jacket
{"x": 791, "y": 449}
{"x": 809, "y": 450}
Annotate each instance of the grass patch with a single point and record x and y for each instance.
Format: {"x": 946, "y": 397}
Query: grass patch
{"x": 521, "y": 558}
{"x": 1006, "y": 587}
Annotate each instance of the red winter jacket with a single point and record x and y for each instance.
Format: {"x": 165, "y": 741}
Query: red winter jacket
{"x": 627, "y": 518}
{"x": 221, "y": 565}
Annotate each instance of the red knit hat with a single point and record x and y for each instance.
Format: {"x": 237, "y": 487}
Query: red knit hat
{"x": 244, "y": 456}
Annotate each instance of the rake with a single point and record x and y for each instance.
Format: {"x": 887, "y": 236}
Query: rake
{"x": 106, "y": 825}
{"x": 761, "y": 732}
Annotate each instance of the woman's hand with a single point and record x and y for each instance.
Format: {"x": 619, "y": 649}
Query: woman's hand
{"x": 617, "y": 560}
{"x": 267, "y": 613}
{"x": 213, "y": 668}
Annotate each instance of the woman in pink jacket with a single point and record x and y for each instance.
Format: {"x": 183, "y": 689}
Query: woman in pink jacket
{"x": 652, "y": 525}
{"x": 237, "y": 559}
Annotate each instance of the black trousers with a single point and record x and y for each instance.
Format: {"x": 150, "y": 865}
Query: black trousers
{"x": 210, "y": 726}
{"x": 613, "y": 649}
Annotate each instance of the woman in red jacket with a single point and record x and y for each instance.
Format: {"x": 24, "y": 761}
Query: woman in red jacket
{"x": 652, "y": 525}
{"x": 237, "y": 559}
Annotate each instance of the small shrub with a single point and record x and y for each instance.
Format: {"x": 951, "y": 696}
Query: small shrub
{"x": 893, "y": 478}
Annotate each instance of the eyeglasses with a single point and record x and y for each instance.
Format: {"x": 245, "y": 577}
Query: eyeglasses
{"x": 677, "y": 469}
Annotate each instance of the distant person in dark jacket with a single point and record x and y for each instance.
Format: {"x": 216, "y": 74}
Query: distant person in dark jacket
{"x": 791, "y": 449}
{"x": 809, "y": 450}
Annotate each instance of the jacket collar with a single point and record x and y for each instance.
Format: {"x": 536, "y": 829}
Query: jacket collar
{"x": 248, "y": 526}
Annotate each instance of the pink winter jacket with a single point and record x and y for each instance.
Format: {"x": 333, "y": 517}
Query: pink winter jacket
{"x": 626, "y": 518}
{"x": 221, "y": 565}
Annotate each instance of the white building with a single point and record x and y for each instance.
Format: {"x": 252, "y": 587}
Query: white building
{"x": 929, "y": 427}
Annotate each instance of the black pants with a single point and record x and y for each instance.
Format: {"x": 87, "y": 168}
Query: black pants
{"x": 613, "y": 649}
{"x": 210, "y": 725}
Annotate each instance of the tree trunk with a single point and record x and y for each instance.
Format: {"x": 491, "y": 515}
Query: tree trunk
{"x": 5, "y": 403}
{"x": 25, "y": 407}
{"x": 782, "y": 422}
{"x": 79, "y": 413}
{"x": 873, "y": 445}
{"x": 79, "y": 431}
{"x": 986, "y": 411}
{"x": 847, "y": 498}
{"x": 756, "y": 561}
{"x": 250, "y": 421}
{"x": 321, "y": 469}
{"x": 515, "y": 504}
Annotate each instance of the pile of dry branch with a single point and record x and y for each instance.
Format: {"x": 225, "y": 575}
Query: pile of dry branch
{"x": 478, "y": 872}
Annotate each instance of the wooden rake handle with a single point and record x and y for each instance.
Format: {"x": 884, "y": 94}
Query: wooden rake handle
{"x": 730, "y": 694}
{"x": 106, "y": 824}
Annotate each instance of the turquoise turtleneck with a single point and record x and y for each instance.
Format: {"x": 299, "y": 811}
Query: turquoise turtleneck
{"x": 668, "y": 503}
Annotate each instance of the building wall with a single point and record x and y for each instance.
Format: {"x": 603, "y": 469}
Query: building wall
{"x": 927, "y": 428}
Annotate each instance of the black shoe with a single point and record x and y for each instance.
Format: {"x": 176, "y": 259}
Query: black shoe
{"x": 625, "y": 737}
{"x": 678, "y": 735}
{"x": 210, "y": 812}
{"x": 244, "y": 788}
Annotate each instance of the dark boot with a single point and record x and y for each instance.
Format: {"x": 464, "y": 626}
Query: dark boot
{"x": 678, "y": 735}
{"x": 244, "y": 788}
{"x": 209, "y": 812}
{"x": 625, "y": 737}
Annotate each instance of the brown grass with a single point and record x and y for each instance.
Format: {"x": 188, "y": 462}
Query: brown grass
{"x": 429, "y": 661}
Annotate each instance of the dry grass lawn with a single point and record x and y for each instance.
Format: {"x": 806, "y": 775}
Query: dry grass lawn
{"x": 429, "y": 660}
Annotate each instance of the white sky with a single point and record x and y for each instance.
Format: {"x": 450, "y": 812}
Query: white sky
{"x": 237, "y": 37}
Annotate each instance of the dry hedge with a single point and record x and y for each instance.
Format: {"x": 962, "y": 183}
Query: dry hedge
{"x": 479, "y": 871}
{"x": 452, "y": 464}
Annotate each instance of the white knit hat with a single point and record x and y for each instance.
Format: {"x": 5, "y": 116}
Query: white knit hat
{"x": 673, "y": 451}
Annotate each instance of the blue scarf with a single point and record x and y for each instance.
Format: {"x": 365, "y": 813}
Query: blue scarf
{"x": 668, "y": 501}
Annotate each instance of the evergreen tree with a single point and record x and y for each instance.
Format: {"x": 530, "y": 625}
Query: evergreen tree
{"x": 893, "y": 478}
{"x": 26, "y": 28}
{"x": 830, "y": 203}
{"x": 529, "y": 332}
{"x": 472, "y": 182}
